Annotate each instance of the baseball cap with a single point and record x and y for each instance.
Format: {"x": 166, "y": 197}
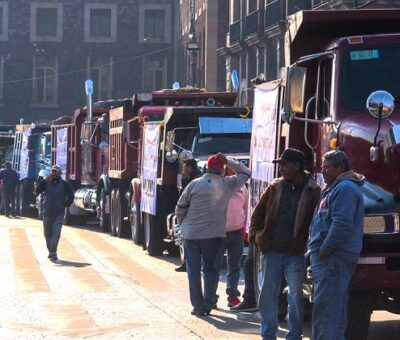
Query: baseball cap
{"x": 214, "y": 162}
{"x": 290, "y": 156}
{"x": 56, "y": 168}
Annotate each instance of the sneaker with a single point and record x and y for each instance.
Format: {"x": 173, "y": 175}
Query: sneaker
{"x": 233, "y": 301}
{"x": 181, "y": 268}
{"x": 55, "y": 260}
{"x": 244, "y": 306}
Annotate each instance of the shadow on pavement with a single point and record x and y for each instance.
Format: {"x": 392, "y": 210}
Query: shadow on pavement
{"x": 73, "y": 264}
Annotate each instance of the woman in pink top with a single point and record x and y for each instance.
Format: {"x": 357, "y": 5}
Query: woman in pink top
{"x": 233, "y": 244}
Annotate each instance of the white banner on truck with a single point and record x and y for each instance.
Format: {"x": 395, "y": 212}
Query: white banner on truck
{"x": 61, "y": 150}
{"x": 148, "y": 198}
{"x": 263, "y": 141}
{"x": 24, "y": 155}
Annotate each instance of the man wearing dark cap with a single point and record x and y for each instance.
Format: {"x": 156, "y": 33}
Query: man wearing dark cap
{"x": 59, "y": 195}
{"x": 201, "y": 213}
{"x": 9, "y": 178}
{"x": 279, "y": 227}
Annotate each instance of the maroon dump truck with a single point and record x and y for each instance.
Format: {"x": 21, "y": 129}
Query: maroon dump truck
{"x": 80, "y": 147}
{"x": 341, "y": 88}
{"x": 151, "y": 140}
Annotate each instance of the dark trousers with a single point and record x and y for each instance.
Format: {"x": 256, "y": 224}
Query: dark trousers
{"x": 249, "y": 294}
{"x": 202, "y": 255}
{"x": 8, "y": 197}
{"x": 52, "y": 232}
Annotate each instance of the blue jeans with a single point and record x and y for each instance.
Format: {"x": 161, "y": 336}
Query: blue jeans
{"x": 249, "y": 295}
{"x": 331, "y": 277}
{"x": 233, "y": 244}
{"x": 52, "y": 232}
{"x": 204, "y": 253}
{"x": 274, "y": 265}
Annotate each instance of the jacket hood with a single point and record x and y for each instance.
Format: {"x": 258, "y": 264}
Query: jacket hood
{"x": 349, "y": 175}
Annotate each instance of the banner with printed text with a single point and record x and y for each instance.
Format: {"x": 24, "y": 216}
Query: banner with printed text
{"x": 148, "y": 198}
{"x": 24, "y": 155}
{"x": 263, "y": 142}
{"x": 61, "y": 150}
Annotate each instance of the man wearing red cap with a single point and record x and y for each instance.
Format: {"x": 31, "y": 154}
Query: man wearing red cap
{"x": 201, "y": 213}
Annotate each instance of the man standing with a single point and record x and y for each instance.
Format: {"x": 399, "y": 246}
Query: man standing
{"x": 58, "y": 195}
{"x": 279, "y": 227}
{"x": 189, "y": 173}
{"x": 335, "y": 244}
{"x": 201, "y": 213}
{"x": 9, "y": 178}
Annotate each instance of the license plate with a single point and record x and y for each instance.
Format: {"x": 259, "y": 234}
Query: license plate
{"x": 372, "y": 260}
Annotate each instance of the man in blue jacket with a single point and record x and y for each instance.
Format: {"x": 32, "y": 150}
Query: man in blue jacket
{"x": 9, "y": 178}
{"x": 59, "y": 195}
{"x": 335, "y": 244}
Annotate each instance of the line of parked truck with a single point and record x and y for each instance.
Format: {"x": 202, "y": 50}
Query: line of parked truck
{"x": 123, "y": 161}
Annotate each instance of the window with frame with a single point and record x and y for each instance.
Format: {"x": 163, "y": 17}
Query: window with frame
{"x": 3, "y": 21}
{"x": 46, "y": 21}
{"x": 100, "y": 23}
{"x": 101, "y": 72}
{"x": 251, "y": 6}
{"x": 155, "y": 70}
{"x": 154, "y": 24}
{"x": 45, "y": 78}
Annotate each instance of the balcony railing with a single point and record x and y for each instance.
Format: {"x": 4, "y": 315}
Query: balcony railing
{"x": 254, "y": 23}
{"x": 234, "y": 32}
{"x": 272, "y": 13}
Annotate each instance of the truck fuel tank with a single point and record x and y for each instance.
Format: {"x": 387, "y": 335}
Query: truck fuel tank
{"x": 85, "y": 199}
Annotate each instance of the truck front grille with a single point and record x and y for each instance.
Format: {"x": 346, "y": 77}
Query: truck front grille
{"x": 381, "y": 224}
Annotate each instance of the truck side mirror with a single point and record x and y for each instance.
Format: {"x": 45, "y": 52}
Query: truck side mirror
{"x": 105, "y": 121}
{"x": 294, "y": 92}
{"x": 126, "y": 133}
{"x": 169, "y": 142}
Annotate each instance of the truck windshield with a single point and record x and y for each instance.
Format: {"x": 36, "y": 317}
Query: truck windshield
{"x": 368, "y": 70}
{"x": 225, "y": 143}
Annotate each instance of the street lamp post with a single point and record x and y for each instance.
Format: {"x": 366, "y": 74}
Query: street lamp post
{"x": 193, "y": 45}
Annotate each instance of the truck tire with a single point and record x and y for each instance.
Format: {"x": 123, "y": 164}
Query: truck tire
{"x": 120, "y": 210}
{"x": 104, "y": 218}
{"x": 135, "y": 223}
{"x": 112, "y": 213}
{"x": 152, "y": 236}
{"x": 359, "y": 316}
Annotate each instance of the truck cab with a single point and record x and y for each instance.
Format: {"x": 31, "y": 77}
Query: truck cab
{"x": 340, "y": 89}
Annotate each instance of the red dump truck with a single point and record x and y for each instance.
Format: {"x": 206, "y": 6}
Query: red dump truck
{"x": 145, "y": 148}
{"x": 79, "y": 146}
{"x": 340, "y": 88}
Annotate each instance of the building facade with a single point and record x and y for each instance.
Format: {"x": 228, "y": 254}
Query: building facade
{"x": 255, "y": 38}
{"x": 49, "y": 48}
{"x": 205, "y": 22}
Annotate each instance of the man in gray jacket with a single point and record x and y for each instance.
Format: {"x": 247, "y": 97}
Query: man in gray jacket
{"x": 59, "y": 195}
{"x": 201, "y": 213}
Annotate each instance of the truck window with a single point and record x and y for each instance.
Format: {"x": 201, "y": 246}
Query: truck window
{"x": 225, "y": 143}
{"x": 325, "y": 84}
{"x": 368, "y": 70}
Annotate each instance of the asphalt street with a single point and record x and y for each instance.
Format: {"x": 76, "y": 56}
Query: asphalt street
{"x": 109, "y": 288}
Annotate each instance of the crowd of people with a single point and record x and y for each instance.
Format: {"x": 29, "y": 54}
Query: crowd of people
{"x": 295, "y": 225}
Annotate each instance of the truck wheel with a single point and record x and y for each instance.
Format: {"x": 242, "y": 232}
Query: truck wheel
{"x": 113, "y": 213}
{"x": 104, "y": 218}
{"x": 152, "y": 236}
{"x": 359, "y": 316}
{"x": 120, "y": 209}
{"x": 134, "y": 221}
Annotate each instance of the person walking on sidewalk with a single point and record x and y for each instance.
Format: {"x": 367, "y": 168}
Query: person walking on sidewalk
{"x": 236, "y": 216}
{"x": 9, "y": 178}
{"x": 336, "y": 235}
{"x": 201, "y": 213}
{"x": 279, "y": 227}
{"x": 189, "y": 173}
{"x": 58, "y": 196}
